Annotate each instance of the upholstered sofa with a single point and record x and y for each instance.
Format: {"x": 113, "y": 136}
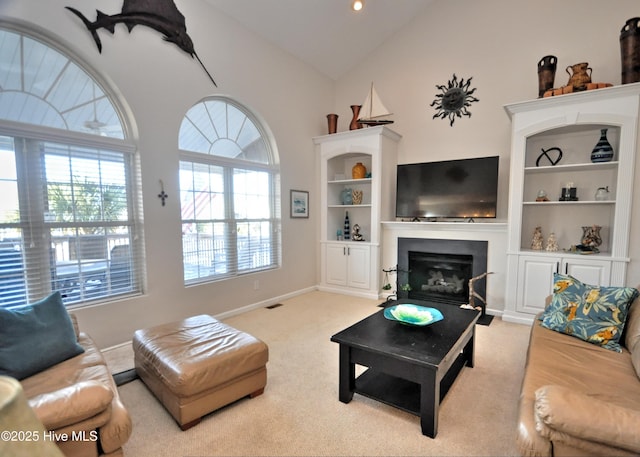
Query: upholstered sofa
{"x": 76, "y": 399}
{"x": 579, "y": 398}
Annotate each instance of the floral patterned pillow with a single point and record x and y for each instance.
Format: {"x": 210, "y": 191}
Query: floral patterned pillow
{"x": 591, "y": 313}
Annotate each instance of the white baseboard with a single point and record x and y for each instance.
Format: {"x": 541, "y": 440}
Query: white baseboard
{"x": 116, "y": 346}
{"x": 517, "y": 318}
{"x": 264, "y": 303}
{"x": 351, "y": 292}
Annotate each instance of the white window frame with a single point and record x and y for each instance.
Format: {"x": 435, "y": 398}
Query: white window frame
{"x": 39, "y": 256}
{"x": 225, "y": 253}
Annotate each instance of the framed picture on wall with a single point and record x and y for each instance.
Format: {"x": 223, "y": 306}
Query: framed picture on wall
{"x": 299, "y": 204}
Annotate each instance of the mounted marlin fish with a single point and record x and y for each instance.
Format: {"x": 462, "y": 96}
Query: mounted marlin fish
{"x": 160, "y": 15}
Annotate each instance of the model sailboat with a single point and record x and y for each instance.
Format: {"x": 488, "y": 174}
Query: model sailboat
{"x": 373, "y": 112}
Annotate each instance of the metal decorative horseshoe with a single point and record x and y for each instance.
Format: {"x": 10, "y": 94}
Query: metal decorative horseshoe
{"x": 544, "y": 154}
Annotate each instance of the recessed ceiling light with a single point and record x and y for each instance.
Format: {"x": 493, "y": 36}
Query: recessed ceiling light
{"x": 357, "y": 5}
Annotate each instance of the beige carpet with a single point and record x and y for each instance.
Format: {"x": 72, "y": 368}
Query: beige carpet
{"x": 300, "y": 415}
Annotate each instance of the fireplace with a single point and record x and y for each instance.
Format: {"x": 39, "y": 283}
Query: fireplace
{"x": 439, "y": 270}
{"x": 439, "y": 277}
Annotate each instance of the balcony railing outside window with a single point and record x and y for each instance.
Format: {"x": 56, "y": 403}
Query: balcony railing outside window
{"x": 68, "y": 179}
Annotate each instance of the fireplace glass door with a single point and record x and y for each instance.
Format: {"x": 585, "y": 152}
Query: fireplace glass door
{"x": 442, "y": 278}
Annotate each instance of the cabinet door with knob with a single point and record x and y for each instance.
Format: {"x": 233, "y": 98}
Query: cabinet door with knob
{"x": 593, "y": 271}
{"x": 347, "y": 265}
{"x": 535, "y": 279}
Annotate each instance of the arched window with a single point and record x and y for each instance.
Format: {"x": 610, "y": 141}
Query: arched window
{"x": 40, "y": 85}
{"x": 229, "y": 192}
{"x": 67, "y": 178}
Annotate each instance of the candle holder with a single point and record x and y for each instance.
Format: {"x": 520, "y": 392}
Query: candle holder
{"x": 569, "y": 194}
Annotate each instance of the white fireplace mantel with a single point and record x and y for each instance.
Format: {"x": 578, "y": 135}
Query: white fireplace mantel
{"x": 462, "y": 226}
{"x": 495, "y": 233}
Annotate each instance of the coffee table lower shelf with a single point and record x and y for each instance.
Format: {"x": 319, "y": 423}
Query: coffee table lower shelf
{"x": 401, "y": 393}
{"x": 409, "y": 368}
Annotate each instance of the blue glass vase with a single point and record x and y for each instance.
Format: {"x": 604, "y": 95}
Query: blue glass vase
{"x": 347, "y": 196}
{"x": 602, "y": 152}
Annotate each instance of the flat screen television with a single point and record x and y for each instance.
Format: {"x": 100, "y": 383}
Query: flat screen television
{"x": 465, "y": 188}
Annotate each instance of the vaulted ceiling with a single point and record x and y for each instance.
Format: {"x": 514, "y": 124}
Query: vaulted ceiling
{"x": 326, "y": 34}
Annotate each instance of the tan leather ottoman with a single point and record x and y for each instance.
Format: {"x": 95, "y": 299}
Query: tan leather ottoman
{"x": 198, "y": 365}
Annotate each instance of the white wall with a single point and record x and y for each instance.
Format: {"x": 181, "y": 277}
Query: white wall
{"x": 499, "y": 44}
{"x": 160, "y": 83}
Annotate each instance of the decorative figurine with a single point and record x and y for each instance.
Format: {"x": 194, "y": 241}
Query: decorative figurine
{"x": 542, "y": 196}
{"x": 356, "y": 235}
{"x": 552, "y": 243}
{"x": 536, "y": 242}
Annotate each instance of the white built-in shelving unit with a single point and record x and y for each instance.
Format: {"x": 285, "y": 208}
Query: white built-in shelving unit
{"x": 573, "y": 123}
{"x": 348, "y": 266}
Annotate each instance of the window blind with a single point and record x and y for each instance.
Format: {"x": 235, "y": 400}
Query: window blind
{"x": 229, "y": 193}
{"x": 68, "y": 222}
{"x": 229, "y": 221}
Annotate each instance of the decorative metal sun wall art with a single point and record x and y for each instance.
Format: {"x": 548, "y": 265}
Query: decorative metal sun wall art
{"x": 454, "y": 99}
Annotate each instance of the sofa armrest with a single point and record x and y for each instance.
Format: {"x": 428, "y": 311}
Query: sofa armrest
{"x": 560, "y": 410}
{"x": 118, "y": 428}
{"x": 76, "y": 327}
{"x": 72, "y": 404}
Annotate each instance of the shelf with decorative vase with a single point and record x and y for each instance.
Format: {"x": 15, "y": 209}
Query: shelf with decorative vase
{"x": 357, "y": 175}
{"x": 562, "y": 182}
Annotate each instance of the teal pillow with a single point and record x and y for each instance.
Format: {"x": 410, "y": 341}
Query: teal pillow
{"x": 35, "y": 337}
{"x": 593, "y": 314}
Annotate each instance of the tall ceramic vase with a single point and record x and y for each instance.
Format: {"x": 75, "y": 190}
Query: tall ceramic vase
{"x": 332, "y": 120}
{"x": 546, "y": 74}
{"x": 630, "y": 51}
{"x": 354, "y": 125}
{"x": 347, "y": 229}
{"x": 602, "y": 152}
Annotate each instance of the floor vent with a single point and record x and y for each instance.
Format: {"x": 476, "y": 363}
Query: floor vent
{"x": 277, "y": 305}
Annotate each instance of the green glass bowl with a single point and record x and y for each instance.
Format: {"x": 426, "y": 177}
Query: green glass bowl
{"x": 411, "y": 314}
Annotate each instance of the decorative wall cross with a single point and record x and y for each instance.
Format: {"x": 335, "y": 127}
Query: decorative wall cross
{"x": 162, "y": 195}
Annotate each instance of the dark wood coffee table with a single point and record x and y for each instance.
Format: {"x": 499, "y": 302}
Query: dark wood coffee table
{"x": 409, "y": 367}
